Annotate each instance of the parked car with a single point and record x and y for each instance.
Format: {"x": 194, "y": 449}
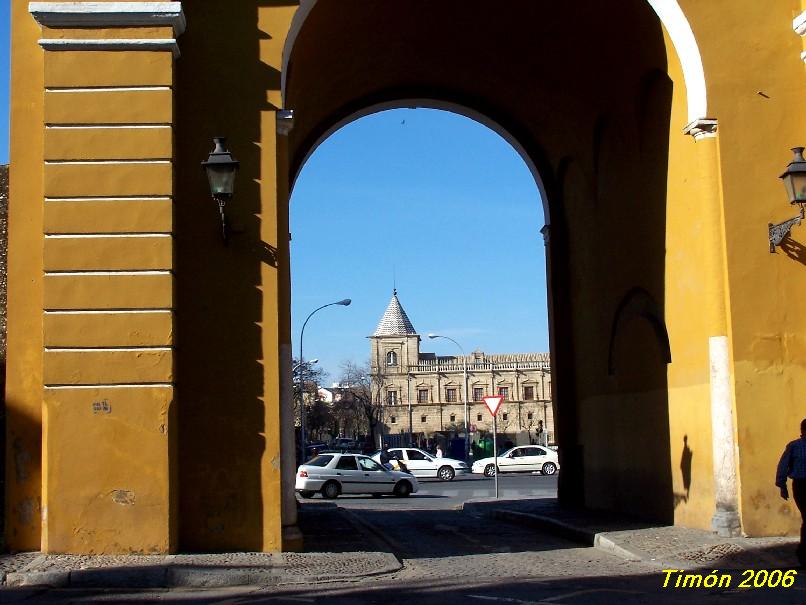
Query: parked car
{"x": 343, "y": 444}
{"x": 334, "y": 474}
{"x": 422, "y": 464}
{"x": 521, "y": 459}
{"x": 315, "y": 448}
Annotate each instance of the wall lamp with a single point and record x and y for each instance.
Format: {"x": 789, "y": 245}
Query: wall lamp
{"x": 794, "y": 178}
{"x": 221, "y": 167}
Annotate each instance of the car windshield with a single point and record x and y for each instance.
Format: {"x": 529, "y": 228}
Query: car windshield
{"x": 319, "y": 461}
{"x": 506, "y": 453}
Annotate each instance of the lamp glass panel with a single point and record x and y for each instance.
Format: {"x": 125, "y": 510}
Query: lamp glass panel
{"x": 795, "y": 183}
{"x": 221, "y": 178}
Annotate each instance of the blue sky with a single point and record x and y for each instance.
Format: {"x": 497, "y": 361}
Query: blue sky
{"x": 5, "y": 52}
{"x": 429, "y": 201}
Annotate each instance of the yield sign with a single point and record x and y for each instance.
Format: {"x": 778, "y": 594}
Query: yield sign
{"x": 492, "y": 402}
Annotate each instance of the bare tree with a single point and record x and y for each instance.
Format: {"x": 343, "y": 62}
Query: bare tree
{"x": 356, "y": 388}
{"x": 306, "y": 380}
{"x": 529, "y": 424}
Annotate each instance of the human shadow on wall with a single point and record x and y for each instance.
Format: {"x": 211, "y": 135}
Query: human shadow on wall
{"x": 221, "y": 371}
{"x": 685, "y": 470}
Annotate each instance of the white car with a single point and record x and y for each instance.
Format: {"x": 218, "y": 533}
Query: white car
{"x": 423, "y": 464}
{"x": 334, "y": 474}
{"x": 521, "y": 459}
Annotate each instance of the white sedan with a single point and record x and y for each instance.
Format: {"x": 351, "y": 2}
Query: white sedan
{"x": 522, "y": 459}
{"x": 423, "y": 464}
{"x": 334, "y": 474}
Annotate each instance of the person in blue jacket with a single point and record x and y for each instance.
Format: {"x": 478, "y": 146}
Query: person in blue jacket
{"x": 793, "y": 466}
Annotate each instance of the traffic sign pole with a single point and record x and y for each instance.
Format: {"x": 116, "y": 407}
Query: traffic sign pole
{"x": 495, "y": 451}
{"x": 493, "y": 402}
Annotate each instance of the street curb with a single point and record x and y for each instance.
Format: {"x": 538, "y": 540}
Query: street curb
{"x": 163, "y": 576}
{"x": 598, "y": 540}
{"x": 202, "y": 575}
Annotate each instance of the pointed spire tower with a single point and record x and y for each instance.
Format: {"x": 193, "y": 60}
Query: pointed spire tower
{"x": 395, "y": 344}
{"x": 394, "y": 322}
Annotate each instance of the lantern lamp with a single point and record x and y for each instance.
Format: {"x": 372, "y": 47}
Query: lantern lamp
{"x": 221, "y": 168}
{"x": 794, "y": 178}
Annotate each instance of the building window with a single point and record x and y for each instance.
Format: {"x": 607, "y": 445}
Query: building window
{"x": 503, "y": 392}
{"x": 391, "y": 358}
{"x": 478, "y": 417}
{"x": 423, "y": 419}
{"x": 450, "y": 395}
{"x": 422, "y": 395}
{"x": 505, "y": 416}
{"x": 453, "y": 417}
{"x": 529, "y": 416}
{"x": 478, "y": 394}
{"x": 393, "y": 420}
{"x": 391, "y": 397}
{"x": 528, "y": 393}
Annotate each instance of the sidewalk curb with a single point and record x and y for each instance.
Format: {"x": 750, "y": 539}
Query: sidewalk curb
{"x": 598, "y": 540}
{"x": 180, "y": 574}
{"x": 164, "y": 576}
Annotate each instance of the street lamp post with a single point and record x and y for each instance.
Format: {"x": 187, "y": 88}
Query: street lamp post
{"x": 299, "y": 366}
{"x": 343, "y": 303}
{"x": 464, "y": 373}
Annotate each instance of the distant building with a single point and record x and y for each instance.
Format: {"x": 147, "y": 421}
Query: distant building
{"x": 422, "y": 394}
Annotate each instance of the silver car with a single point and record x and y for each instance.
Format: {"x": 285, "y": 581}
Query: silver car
{"x": 333, "y": 474}
{"x": 525, "y": 458}
{"x": 422, "y": 464}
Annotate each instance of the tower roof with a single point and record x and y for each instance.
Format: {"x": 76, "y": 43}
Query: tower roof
{"x": 394, "y": 322}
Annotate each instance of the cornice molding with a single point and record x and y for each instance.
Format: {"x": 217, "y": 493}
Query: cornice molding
{"x": 701, "y": 128}
{"x": 799, "y": 24}
{"x": 109, "y": 14}
{"x": 151, "y": 44}
{"x": 285, "y": 121}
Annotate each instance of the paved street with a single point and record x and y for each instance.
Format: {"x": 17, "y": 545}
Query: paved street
{"x": 435, "y": 494}
{"x": 449, "y": 555}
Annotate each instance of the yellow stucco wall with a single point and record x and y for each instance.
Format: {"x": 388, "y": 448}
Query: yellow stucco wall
{"x": 104, "y": 267}
{"x": 756, "y": 89}
{"x": 230, "y": 417}
{"x": 105, "y": 498}
{"x": 25, "y": 289}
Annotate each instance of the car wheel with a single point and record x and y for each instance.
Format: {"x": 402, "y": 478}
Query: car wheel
{"x": 549, "y": 468}
{"x": 331, "y": 490}
{"x": 306, "y": 493}
{"x": 402, "y": 489}
{"x": 446, "y": 473}
{"x": 489, "y": 470}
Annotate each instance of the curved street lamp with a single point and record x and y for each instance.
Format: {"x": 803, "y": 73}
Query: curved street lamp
{"x": 344, "y": 303}
{"x": 464, "y": 372}
{"x": 298, "y": 365}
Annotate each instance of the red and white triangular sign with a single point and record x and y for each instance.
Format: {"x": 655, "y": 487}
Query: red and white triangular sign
{"x": 492, "y": 402}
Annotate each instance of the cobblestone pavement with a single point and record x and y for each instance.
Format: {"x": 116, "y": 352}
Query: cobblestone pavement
{"x": 471, "y": 557}
{"x": 665, "y": 546}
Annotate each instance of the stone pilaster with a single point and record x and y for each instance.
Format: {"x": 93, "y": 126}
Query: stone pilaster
{"x": 108, "y": 298}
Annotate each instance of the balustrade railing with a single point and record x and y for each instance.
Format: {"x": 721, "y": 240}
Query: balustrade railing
{"x": 453, "y": 365}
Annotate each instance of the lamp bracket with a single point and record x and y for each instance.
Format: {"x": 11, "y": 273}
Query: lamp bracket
{"x": 222, "y": 202}
{"x": 777, "y": 232}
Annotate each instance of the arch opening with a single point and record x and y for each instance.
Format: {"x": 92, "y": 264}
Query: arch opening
{"x": 597, "y": 132}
